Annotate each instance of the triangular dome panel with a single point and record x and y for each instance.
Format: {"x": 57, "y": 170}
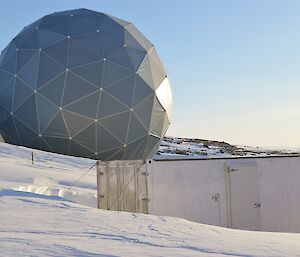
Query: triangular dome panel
{"x": 79, "y": 55}
{"x": 123, "y": 90}
{"x": 59, "y": 52}
{"x": 132, "y": 42}
{"x": 57, "y": 144}
{"x": 53, "y": 90}
{"x": 39, "y": 143}
{"x": 105, "y": 140}
{"x": 91, "y": 41}
{"x": 109, "y": 155}
{"x": 58, "y": 24}
{"x": 136, "y": 129}
{"x": 76, "y": 88}
{"x": 27, "y": 113}
{"x": 29, "y": 71}
{"x": 56, "y": 128}
{"x": 5, "y": 77}
{"x": 4, "y": 114}
{"x": 47, "y": 38}
{"x": 87, "y": 137}
{"x": 91, "y": 72}
{"x": 31, "y": 41}
{"x": 49, "y": 69}
{"x": 21, "y": 93}
{"x": 142, "y": 91}
{"x": 121, "y": 57}
{"x": 24, "y": 55}
{"x": 75, "y": 123}
{"x": 135, "y": 149}
{"x": 136, "y": 57}
{"x": 116, "y": 124}
{"x": 144, "y": 111}
{"x": 79, "y": 150}
{"x": 151, "y": 146}
{"x": 144, "y": 42}
{"x": 111, "y": 39}
{"x": 26, "y": 134}
{"x": 86, "y": 106}
{"x": 157, "y": 71}
{"x": 10, "y": 64}
{"x": 8, "y": 52}
{"x": 144, "y": 72}
{"x": 9, "y": 131}
{"x": 6, "y": 95}
{"x": 113, "y": 72}
{"x": 157, "y": 119}
{"x": 108, "y": 105}
{"x": 46, "y": 111}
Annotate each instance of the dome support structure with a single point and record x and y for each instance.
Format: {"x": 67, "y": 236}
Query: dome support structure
{"x": 122, "y": 185}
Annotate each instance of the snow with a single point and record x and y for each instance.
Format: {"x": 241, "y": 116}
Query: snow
{"x": 52, "y": 174}
{"x": 41, "y": 216}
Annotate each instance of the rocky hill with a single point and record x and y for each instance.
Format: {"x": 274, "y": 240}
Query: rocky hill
{"x": 175, "y": 147}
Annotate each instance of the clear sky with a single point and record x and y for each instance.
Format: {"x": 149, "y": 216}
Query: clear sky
{"x": 234, "y": 65}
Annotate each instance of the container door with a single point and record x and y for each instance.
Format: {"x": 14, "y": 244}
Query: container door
{"x": 122, "y": 186}
{"x": 243, "y": 196}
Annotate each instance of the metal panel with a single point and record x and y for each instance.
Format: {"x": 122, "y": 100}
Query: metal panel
{"x": 122, "y": 186}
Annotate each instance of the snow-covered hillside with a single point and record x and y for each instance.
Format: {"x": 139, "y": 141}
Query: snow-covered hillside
{"x": 41, "y": 216}
{"x": 173, "y": 147}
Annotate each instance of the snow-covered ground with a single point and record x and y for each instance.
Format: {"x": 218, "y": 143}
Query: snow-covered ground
{"x": 51, "y": 174}
{"x": 41, "y": 216}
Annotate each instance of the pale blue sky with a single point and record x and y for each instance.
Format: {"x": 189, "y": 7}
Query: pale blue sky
{"x": 234, "y": 65}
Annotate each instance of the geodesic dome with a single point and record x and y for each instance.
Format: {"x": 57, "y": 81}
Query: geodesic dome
{"x": 85, "y": 84}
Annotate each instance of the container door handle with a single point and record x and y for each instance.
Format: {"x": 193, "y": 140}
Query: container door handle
{"x": 257, "y": 205}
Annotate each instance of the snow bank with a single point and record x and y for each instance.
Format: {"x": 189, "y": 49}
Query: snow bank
{"x": 45, "y": 186}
